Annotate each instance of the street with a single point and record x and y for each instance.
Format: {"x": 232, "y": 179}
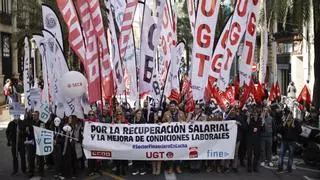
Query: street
{"x": 301, "y": 172}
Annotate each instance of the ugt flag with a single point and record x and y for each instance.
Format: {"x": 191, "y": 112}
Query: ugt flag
{"x": 44, "y": 141}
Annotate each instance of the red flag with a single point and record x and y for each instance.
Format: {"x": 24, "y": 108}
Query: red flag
{"x": 304, "y": 97}
{"x": 174, "y": 96}
{"x": 278, "y": 93}
{"x": 237, "y": 88}
{"x": 245, "y": 95}
{"x": 186, "y": 85}
{"x": 229, "y": 95}
{"x": 272, "y": 93}
{"x": 190, "y": 104}
{"x": 221, "y": 101}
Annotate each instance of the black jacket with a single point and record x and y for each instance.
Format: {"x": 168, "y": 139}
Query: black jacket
{"x": 252, "y": 136}
{"x": 290, "y": 133}
{"x": 11, "y": 133}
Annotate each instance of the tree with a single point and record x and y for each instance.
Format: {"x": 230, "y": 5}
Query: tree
{"x": 297, "y": 13}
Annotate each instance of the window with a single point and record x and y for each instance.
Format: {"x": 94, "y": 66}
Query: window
{"x": 6, "y": 6}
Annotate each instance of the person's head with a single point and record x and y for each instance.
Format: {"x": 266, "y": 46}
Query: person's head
{"x": 173, "y": 106}
{"x": 138, "y": 115}
{"x": 266, "y": 110}
{"x": 8, "y": 81}
{"x": 254, "y": 115}
{"x": 119, "y": 114}
{"x": 198, "y": 108}
{"x": 145, "y": 104}
{"x": 292, "y": 83}
{"x": 219, "y": 116}
{"x": 57, "y": 122}
{"x": 91, "y": 115}
{"x": 35, "y": 115}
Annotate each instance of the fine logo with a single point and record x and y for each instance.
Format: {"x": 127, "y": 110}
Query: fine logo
{"x": 50, "y": 21}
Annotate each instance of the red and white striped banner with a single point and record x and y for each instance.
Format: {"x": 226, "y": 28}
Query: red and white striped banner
{"x": 151, "y": 29}
{"x": 237, "y": 29}
{"x": 105, "y": 63}
{"x": 70, "y": 17}
{"x": 245, "y": 63}
{"x": 126, "y": 27}
{"x": 206, "y": 21}
{"x": 92, "y": 54}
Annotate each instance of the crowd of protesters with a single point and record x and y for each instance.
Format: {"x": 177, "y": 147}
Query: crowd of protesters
{"x": 262, "y": 130}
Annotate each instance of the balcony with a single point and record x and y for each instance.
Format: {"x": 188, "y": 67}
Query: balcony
{"x": 5, "y": 18}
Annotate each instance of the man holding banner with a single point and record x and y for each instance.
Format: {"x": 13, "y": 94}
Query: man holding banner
{"x": 15, "y": 136}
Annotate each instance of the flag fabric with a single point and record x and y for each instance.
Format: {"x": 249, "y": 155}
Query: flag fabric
{"x": 26, "y": 73}
{"x": 65, "y": 106}
{"x": 304, "y": 97}
{"x": 119, "y": 7}
{"x": 152, "y": 20}
{"x": 44, "y": 141}
{"x": 75, "y": 37}
{"x": 91, "y": 63}
{"x": 272, "y": 93}
{"x": 246, "y": 90}
{"x": 174, "y": 96}
{"x": 115, "y": 55}
{"x": 229, "y": 95}
{"x": 42, "y": 46}
{"x": 206, "y": 21}
{"x": 237, "y": 30}
{"x": 245, "y": 63}
{"x": 103, "y": 49}
{"x": 51, "y": 23}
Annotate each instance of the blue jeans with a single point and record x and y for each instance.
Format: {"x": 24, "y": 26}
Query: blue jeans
{"x": 286, "y": 145}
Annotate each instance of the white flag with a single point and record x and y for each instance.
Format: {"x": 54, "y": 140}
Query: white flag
{"x": 237, "y": 29}
{"x": 206, "y": 21}
{"x": 245, "y": 63}
{"x": 43, "y": 140}
{"x": 151, "y": 29}
{"x": 51, "y": 23}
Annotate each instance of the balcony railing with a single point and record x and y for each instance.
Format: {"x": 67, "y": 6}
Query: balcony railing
{"x": 5, "y": 18}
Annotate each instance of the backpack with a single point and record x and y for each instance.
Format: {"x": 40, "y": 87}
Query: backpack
{"x": 7, "y": 91}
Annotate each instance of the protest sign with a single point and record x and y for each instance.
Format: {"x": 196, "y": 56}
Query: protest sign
{"x": 44, "y": 113}
{"x": 16, "y": 109}
{"x": 44, "y": 141}
{"x": 168, "y": 141}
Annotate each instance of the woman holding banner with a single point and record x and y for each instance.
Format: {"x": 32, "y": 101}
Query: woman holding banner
{"x": 92, "y": 163}
{"x": 139, "y": 167}
{"x": 120, "y": 119}
{"x": 156, "y": 165}
{"x": 197, "y": 115}
{"x": 174, "y": 115}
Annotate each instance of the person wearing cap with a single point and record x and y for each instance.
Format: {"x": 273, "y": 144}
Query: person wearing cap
{"x": 15, "y": 138}
{"x": 196, "y": 115}
{"x": 170, "y": 116}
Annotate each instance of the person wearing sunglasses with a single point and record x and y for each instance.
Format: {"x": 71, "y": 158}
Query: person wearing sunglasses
{"x": 92, "y": 163}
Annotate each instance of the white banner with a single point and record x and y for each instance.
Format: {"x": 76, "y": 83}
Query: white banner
{"x": 43, "y": 140}
{"x": 16, "y": 109}
{"x": 26, "y": 73}
{"x": 44, "y": 113}
{"x": 115, "y": 55}
{"x": 43, "y": 48}
{"x": 51, "y": 23}
{"x": 174, "y": 141}
{"x": 245, "y": 63}
{"x": 65, "y": 106}
{"x": 237, "y": 29}
{"x": 217, "y": 57}
{"x": 150, "y": 35}
{"x": 206, "y": 21}
{"x": 118, "y": 7}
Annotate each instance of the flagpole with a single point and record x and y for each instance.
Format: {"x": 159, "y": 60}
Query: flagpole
{"x": 100, "y": 76}
{"x": 165, "y": 82}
